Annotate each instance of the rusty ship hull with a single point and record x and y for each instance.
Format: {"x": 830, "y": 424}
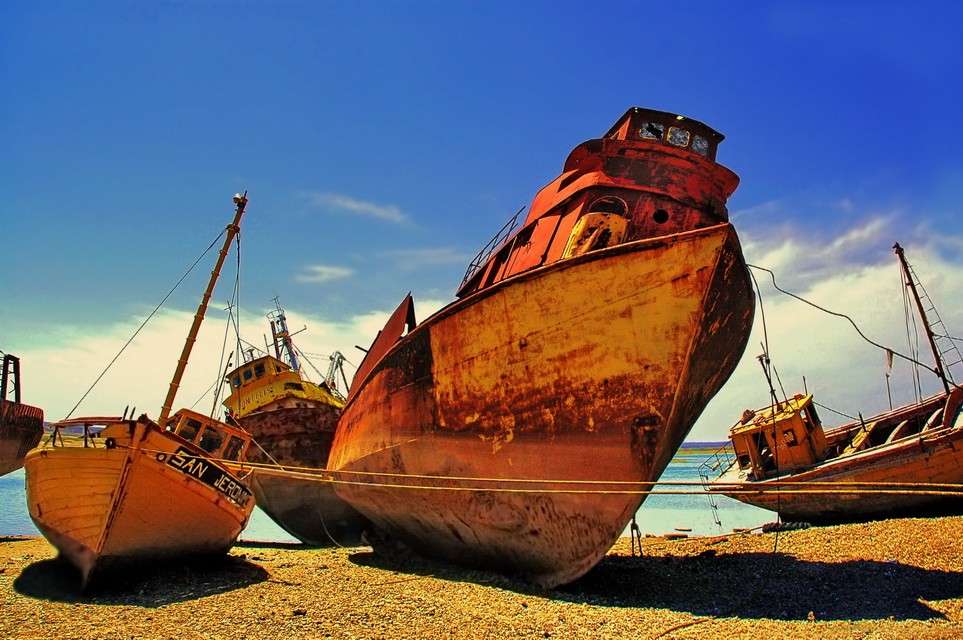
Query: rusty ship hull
{"x": 293, "y": 443}
{"x": 472, "y": 438}
{"x": 292, "y": 421}
{"x": 914, "y": 469}
{"x": 21, "y": 427}
{"x": 518, "y": 428}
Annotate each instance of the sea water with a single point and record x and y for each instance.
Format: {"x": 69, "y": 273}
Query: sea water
{"x": 661, "y": 513}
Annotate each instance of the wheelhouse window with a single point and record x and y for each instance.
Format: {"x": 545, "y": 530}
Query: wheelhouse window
{"x": 259, "y": 369}
{"x": 700, "y": 145}
{"x": 233, "y": 449}
{"x": 652, "y": 130}
{"x": 678, "y": 137}
{"x": 188, "y": 429}
{"x": 210, "y": 440}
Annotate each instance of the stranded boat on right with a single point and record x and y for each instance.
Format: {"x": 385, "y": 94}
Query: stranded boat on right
{"x": 908, "y": 461}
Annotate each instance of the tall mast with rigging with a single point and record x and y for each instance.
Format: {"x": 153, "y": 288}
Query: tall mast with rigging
{"x": 232, "y": 231}
{"x": 919, "y": 305}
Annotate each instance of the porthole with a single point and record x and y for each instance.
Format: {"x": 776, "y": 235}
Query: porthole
{"x": 661, "y": 216}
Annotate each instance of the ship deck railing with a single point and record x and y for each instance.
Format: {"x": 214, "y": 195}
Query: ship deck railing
{"x": 716, "y": 464}
{"x": 494, "y": 244}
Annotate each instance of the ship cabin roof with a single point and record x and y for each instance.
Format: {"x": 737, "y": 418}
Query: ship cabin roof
{"x": 669, "y": 129}
{"x": 220, "y": 440}
{"x": 782, "y": 438}
{"x": 256, "y": 369}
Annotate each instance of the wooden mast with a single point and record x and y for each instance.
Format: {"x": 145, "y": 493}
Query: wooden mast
{"x": 926, "y": 323}
{"x": 232, "y": 230}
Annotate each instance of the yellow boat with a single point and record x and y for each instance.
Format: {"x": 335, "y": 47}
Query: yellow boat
{"x": 134, "y": 490}
{"x": 293, "y": 420}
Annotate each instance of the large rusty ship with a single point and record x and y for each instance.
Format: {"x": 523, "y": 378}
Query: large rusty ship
{"x": 518, "y": 428}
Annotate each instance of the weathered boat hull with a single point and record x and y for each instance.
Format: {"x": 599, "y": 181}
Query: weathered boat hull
{"x": 292, "y": 445}
{"x": 912, "y": 467}
{"x": 588, "y": 370}
{"x": 98, "y": 505}
{"x": 21, "y": 427}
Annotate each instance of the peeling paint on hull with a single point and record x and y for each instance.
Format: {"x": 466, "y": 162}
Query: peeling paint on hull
{"x": 590, "y": 369}
{"x": 305, "y": 505}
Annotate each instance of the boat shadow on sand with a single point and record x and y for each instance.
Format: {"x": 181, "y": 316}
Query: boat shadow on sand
{"x": 149, "y": 585}
{"x": 773, "y": 586}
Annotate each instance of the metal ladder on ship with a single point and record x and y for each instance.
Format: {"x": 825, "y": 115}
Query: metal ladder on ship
{"x": 944, "y": 345}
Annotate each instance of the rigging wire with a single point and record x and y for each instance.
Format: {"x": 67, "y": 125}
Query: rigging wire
{"x": 233, "y": 303}
{"x": 143, "y": 324}
{"x": 845, "y": 317}
{"x": 772, "y": 394}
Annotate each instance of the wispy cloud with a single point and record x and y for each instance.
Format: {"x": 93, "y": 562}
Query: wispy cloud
{"x": 347, "y": 204}
{"x": 315, "y": 273}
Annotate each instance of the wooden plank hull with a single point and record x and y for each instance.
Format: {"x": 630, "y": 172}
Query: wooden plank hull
{"x": 928, "y": 458}
{"x": 138, "y": 498}
{"x": 21, "y": 427}
{"x": 591, "y": 369}
{"x": 303, "y": 504}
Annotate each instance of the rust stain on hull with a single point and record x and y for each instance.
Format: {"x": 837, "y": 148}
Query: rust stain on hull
{"x": 581, "y": 351}
{"x": 21, "y": 427}
{"x": 305, "y": 506}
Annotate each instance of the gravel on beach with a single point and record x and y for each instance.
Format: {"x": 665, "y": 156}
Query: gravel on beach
{"x": 890, "y": 579}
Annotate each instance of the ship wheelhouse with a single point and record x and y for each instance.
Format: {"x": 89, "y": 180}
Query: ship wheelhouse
{"x": 784, "y": 438}
{"x": 652, "y": 174}
{"x": 220, "y": 440}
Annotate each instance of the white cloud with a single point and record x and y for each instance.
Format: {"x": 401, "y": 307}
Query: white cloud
{"x": 56, "y": 377}
{"x": 315, "y": 273}
{"x": 348, "y": 204}
{"x": 843, "y": 370}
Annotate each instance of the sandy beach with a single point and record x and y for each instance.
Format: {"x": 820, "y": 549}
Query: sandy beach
{"x": 893, "y": 579}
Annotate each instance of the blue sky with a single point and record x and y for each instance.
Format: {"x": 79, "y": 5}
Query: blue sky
{"x": 384, "y": 143}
